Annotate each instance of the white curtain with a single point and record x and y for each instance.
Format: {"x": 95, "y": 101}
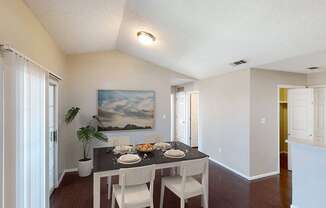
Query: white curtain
{"x": 25, "y": 118}
{"x": 1, "y": 133}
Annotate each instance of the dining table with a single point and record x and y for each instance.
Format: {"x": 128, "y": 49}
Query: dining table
{"x": 106, "y": 165}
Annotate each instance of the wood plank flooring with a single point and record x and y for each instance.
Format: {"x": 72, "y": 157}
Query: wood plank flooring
{"x": 226, "y": 190}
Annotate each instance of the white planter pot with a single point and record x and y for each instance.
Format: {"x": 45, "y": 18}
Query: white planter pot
{"x": 85, "y": 168}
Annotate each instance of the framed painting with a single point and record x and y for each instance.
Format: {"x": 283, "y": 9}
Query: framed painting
{"x": 125, "y": 110}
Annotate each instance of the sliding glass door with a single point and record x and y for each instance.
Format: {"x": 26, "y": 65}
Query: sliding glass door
{"x": 53, "y": 134}
{"x": 25, "y": 119}
{"x": 1, "y": 133}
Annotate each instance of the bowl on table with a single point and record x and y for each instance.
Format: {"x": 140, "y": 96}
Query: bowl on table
{"x": 145, "y": 148}
{"x": 123, "y": 149}
{"x": 162, "y": 146}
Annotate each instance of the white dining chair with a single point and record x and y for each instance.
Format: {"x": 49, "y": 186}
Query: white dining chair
{"x": 132, "y": 190}
{"x": 185, "y": 186}
{"x": 114, "y": 141}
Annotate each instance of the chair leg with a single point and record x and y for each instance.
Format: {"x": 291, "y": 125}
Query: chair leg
{"x": 162, "y": 195}
{"x": 113, "y": 199}
{"x": 109, "y": 186}
{"x": 182, "y": 203}
{"x": 205, "y": 202}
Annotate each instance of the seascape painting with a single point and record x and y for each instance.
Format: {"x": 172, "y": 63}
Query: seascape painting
{"x": 125, "y": 110}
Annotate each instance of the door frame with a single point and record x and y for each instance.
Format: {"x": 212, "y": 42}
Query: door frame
{"x": 185, "y": 139}
{"x": 55, "y": 83}
{"x": 188, "y": 115}
{"x": 280, "y": 86}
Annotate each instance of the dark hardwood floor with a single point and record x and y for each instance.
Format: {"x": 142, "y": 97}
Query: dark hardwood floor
{"x": 226, "y": 190}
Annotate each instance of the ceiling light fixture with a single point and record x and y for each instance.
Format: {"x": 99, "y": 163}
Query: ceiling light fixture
{"x": 237, "y": 63}
{"x": 313, "y": 68}
{"x": 145, "y": 38}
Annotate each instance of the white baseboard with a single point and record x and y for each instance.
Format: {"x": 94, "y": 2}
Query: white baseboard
{"x": 292, "y": 206}
{"x": 63, "y": 174}
{"x": 263, "y": 175}
{"x": 231, "y": 169}
{"x": 243, "y": 175}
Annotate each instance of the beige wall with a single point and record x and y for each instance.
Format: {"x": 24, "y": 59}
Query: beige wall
{"x": 224, "y": 119}
{"x": 263, "y": 104}
{"x": 316, "y": 78}
{"x": 114, "y": 70}
{"x": 21, "y": 30}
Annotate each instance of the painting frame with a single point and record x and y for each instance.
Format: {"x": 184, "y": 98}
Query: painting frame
{"x": 119, "y": 110}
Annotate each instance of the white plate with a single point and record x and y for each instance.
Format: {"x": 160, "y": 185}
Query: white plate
{"x": 122, "y": 149}
{"x": 162, "y": 145}
{"x": 174, "y": 153}
{"x": 129, "y": 158}
{"x": 129, "y": 163}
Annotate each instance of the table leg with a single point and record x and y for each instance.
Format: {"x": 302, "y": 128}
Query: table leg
{"x": 109, "y": 187}
{"x": 206, "y": 184}
{"x": 172, "y": 171}
{"x": 96, "y": 191}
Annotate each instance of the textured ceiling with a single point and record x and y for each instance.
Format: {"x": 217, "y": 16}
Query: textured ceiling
{"x": 196, "y": 38}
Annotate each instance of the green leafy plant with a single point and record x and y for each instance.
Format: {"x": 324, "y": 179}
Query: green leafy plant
{"x": 71, "y": 114}
{"x": 84, "y": 134}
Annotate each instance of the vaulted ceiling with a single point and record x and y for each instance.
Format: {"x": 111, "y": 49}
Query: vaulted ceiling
{"x": 196, "y": 38}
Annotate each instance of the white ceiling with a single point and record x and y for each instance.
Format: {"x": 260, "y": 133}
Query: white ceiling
{"x": 196, "y": 38}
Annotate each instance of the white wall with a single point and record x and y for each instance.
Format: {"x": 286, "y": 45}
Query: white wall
{"x": 316, "y": 78}
{"x": 308, "y": 176}
{"x": 86, "y": 73}
{"x": 224, "y": 119}
{"x": 263, "y": 104}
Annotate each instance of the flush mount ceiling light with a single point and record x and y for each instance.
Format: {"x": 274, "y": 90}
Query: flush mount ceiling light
{"x": 237, "y": 63}
{"x": 313, "y": 68}
{"x": 145, "y": 38}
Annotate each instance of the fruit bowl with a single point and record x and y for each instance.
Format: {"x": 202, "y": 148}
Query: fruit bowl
{"x": 145, "y": 148}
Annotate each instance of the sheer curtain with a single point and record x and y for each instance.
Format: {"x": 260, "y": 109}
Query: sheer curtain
{"x": 1, "y": 133}
{"x": 25, "y": 132}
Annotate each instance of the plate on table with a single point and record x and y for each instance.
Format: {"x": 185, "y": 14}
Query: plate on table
{"x": 122, "y": 149}
{"x": 129, "y": 159}
{"x": 174, "y": 153}
{"x": 145, "y": 148}
{"x": 162, "y": 145}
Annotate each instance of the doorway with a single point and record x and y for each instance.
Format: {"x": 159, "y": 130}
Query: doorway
{"x": 295, "y": 111}
{"x": 283, "y": 108}
{"x": 53, "y": 135}
{"x": 180, "y": 116}
{"x": 193, "y": 134}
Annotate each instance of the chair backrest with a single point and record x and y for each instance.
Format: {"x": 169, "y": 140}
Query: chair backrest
{"x": 193, "y": 167}
{"x": 119, "y": 140}
{"x": 136, "y": 176}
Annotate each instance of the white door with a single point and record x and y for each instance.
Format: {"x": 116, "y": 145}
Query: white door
{"x": 194, "y": 98}
{"x": 300, "y": 116}
{"x": 180, "y": 117}
{"x": 53, "y": 135}
{"x": 319, "y": 114}
{"x": 300, "y": 110}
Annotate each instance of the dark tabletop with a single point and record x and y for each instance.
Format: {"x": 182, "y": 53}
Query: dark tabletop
{"x": 104, "y": 159}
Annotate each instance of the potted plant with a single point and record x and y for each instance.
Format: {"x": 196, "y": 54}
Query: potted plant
{"x": 85, "y": 135}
